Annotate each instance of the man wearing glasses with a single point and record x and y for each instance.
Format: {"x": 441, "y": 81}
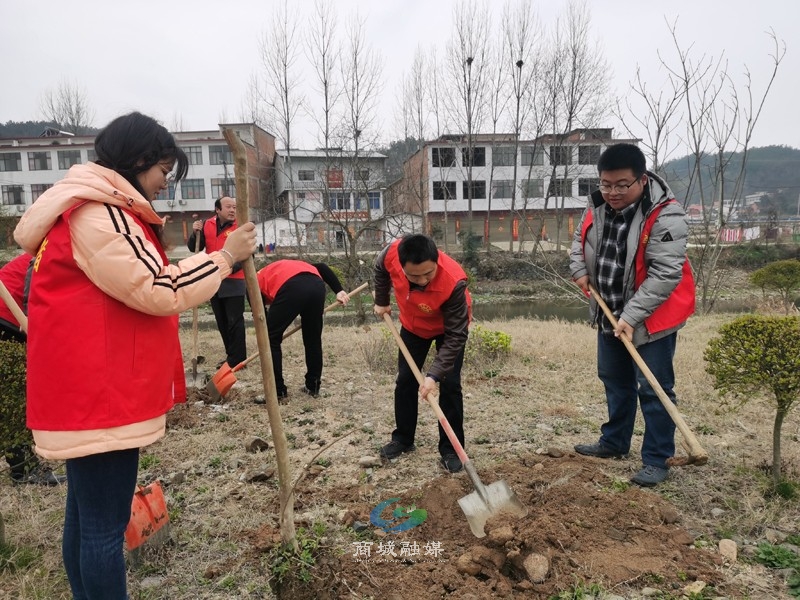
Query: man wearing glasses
{"x": 631, "y": 247}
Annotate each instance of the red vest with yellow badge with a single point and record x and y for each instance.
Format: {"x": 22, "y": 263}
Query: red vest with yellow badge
{"x": 93, "y": 362}
{"x": 215, "y": 243}
{"x": 13, "y": 277}
{"x": 421, "y": 310}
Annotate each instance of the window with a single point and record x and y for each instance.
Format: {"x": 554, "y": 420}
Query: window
{"x": 12, "y": 194}
{"x": 67, "y": 158}
{"x": 532, "y": 155}
{"x": 193, "y": 189}
{"x": 339, "y": 201}
{"x": 374, "y": 200}
{"x": 194, "y": 154}
{"x": 220, "y": 155}
{"x": 223, "y": 187}
{"x": 10, "y": 161}
{"x": 478, "y": 157}
{"x": 363, "y": 174}
{"x": 560, "y": 187}
{"x": 588, "y": 155}
{"x": 502, "y": 188}
{"x": 443, "y": 157}
{"x": 168, "y": 194}
{"x": 533, "y": 188}
{"x": 478, "y": 189}
{"x": 91, "y": 155}
{"x": 304, "y": 175}
{"x": 503, "y": 156}
{"x": 37, "y": 189}
{"x": 39, "y": 161}
{"x": 444, "y": 190}
{"x": 560, "y": 155}
{"x": 586, "y": 185}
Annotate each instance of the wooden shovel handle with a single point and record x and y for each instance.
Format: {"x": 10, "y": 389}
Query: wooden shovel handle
{"x": 696, "y": 452}
{"x": 297, "y": 328}
{"x": 432, "y": 399}
{"x": 14, "y": 308}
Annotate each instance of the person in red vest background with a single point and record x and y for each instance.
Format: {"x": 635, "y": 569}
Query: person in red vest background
{"x": 104, "y": 355}
{"x": 630, "y": 246}
{"x": 228, "y": 302}
{"x": 430, "y": 289}
{"x": 24, "y": 466}
{"x": 291, "y": 288}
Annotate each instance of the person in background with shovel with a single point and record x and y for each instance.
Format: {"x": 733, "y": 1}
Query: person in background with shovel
{"x": 430, "y": 289}
{"x": 291, "y": 288}
{"x": 104, "y": 357}
{"x": 630, "y": 247}
{"x": 24, "y": 466}
{"x": 228, "y": 302}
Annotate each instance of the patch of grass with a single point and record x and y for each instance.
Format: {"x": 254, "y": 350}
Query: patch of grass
{"x": 579, "y": 591}
{"x": 14, "y": 558}
{"x": 284, "y": 561}
{"x": 222, "y": 418}
{"x": 147, "y": 461}
{"x": 776, "y": 557}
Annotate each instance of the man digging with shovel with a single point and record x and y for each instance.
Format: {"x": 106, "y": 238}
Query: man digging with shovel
{"x": 430, "y": 289}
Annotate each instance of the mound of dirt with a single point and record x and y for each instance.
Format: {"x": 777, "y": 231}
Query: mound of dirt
{"x": 582, "y": 526}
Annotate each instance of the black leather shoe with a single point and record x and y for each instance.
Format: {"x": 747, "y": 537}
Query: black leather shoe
{"x": 42, "y": 477}
{"x": 597, "y": 450}
{"x": 394, "y": 449}
{"x": 309, "y": 392}
{"x": 451, "y": 463}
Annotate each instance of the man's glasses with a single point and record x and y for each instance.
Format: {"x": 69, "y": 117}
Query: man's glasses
{"x": 619, "y": 188}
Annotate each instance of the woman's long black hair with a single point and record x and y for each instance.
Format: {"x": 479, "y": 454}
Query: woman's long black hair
{"x": 133, "y": 143}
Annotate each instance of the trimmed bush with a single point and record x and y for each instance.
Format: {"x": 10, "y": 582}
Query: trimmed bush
{"x": 12, "y": 396}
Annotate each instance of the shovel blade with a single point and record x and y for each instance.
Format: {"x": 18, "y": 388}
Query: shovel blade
{"x": 499, "y": 499}
{"x": 221, "y": 383}
{"x": 148, "y": 515}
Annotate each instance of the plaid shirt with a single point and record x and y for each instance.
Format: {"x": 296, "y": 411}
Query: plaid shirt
{"x": 611, "y": 261}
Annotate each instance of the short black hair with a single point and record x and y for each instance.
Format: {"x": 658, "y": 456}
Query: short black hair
{"x": 622, "y": 156}
{"x": 218, "y": 202}
{"x": 416, "y": 249}
{"x": 133, "y": 143}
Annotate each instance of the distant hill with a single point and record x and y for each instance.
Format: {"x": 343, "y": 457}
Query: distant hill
{"x": 771, "y": 169}
{"x": 31, "y": 129}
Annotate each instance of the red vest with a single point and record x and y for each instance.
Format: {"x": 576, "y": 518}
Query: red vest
{"x": 214, "y": 243}
{"x": 13, "y": 277}
{"x": 94, "y": 363}
{"x": 274, "y": 275}
{"x": 421, "y": 310}
{"x": 680, "y": 304}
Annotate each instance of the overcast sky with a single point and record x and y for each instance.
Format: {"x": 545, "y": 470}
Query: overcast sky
{"x": 190, "y": 60}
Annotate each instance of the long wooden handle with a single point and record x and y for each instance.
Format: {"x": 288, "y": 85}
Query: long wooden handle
{"x": 14, "y": 308}
{"x": 693, "y": 446}
{"x": 297, "y": 328}
{"x": 432, "y": 399}
{"x": 194, "y": 309}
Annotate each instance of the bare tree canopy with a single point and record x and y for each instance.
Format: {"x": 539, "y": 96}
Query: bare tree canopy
{"x": 67, "y": 106}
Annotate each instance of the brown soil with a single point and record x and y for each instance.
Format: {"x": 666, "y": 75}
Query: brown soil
{"x": 587, "y": 524}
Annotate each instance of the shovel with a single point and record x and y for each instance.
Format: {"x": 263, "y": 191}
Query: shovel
{"x": 222, "y": 381}
{"x": 487, "y": 500}
{"x": 149, "y": 521}
{"x": 696, "y": 453}
{"x": 196, "y": 379}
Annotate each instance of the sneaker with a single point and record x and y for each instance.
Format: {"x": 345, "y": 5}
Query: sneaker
{"x": 597, "y": 450}
{"x": 650, "y": 476}
{"x": 394, "y": 449}
{"x": 451, "y": 463}
{"x": 311, "y": 393}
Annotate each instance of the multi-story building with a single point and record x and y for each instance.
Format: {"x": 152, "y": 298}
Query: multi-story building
{"x": 28, "y": 166}
{"x": 531, "y": 189}
{"x": 328, "y": 198}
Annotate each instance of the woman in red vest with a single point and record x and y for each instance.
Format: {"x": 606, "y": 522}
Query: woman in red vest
{"x": 104, "y": 358}
{"x": 291, "y": 288}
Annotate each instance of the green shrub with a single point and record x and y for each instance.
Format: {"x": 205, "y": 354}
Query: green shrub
{"x": 782, "y": 276}
{"x": 12, "y": 396}
{"x": 492, "y": 345}
{"x": 759, "y": 353}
